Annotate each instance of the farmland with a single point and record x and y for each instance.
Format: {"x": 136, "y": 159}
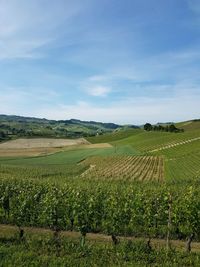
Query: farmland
{"x": 125, "y": 167}
{"x": 118, "y": 154}
{"x": 12, "y": 127}
{"x": 37, "y": 146}
{"x": 40, "y": 143}
{"x": 182, "y": 161}
{"x": 129, "y": 183}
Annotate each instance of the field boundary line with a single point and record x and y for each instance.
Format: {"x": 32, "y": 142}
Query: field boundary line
{"x": 176, "y": 144}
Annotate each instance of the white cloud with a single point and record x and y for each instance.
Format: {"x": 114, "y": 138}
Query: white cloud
{"x": 98, "y": 90}
{"x": 183, "y": 104}
{"x": 97, "y": 85}
{"x": 173, "y": 66}
{"x": 97, "y": 78}
{"x": 136, "y": 110}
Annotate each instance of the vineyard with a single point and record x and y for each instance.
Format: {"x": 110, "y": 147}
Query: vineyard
{"x": 145, "y": 185}
{"x": 185, "y": 167}
{"x": 142, "y": 168}
{"x": 114, "y": 208}
{"x": 182, "y": 162}
{"x": 149, "y": 141}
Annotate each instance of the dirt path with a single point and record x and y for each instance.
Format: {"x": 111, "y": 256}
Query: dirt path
{"x": 10, "y": 230}
{"x": 175, "y": 144}
{"x": 84, "y": 174}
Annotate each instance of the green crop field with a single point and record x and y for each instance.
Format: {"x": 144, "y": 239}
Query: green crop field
{"x": 180, "y": 152}
{"x": 147, "y": 141}
{"x": 99, "y": 133}
{"x": 145, "y": 185}
{"x": 69, "y": 156}
{"x": 140, "y": 168}
{"x": 182, "y": 161}
{"x": 114, "y": 136}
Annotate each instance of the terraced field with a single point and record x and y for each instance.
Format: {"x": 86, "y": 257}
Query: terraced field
{"x": 142, "y": 168}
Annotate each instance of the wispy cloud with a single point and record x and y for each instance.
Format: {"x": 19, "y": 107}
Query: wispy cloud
{"x": 97, "y": 60}
{"x": 181, "y": 104}
{"x": 96, "y": 85}
{"x": 26, "y": 26}
{"x": 135, "y": 111}
{"x": 101, "y": 91}
{"x": 97, "y": 78}
{"x": 18, "y": 99}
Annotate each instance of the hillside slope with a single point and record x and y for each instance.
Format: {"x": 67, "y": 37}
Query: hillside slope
{"x": 181, "y": 151}
{"x": 114, "y": 136}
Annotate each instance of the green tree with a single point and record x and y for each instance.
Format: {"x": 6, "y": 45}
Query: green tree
{"x": 148, "y": 127}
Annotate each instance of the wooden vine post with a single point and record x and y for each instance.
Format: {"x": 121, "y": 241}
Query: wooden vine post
{"x": 168, "y": 245}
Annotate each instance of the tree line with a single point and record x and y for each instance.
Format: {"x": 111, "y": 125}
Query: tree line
{"x": 162, "y": 128}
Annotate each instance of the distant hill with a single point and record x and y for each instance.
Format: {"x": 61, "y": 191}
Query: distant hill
{"x": 12, "y": 126}
{"x": 189, "y": 125}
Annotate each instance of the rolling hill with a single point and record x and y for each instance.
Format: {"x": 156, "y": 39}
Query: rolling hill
{"x": 18, "y": 126}
{"x": 180, "y": 152}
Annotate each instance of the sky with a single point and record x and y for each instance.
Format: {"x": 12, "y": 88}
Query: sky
{"x": 122, "y": 61}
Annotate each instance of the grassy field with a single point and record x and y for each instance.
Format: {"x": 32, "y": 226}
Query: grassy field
{"x": 64, "y": 157}
{"x": 189, "y": 125}
{"x": 114, "y": 136}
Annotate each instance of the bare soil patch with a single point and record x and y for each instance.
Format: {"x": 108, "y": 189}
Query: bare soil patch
{"x": 24, "y": 143}
{"x": 31, "y": 152}
{"x": 37, "y": 146}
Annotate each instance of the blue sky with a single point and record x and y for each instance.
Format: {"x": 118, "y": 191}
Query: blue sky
{"x": 123, "y": 61}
